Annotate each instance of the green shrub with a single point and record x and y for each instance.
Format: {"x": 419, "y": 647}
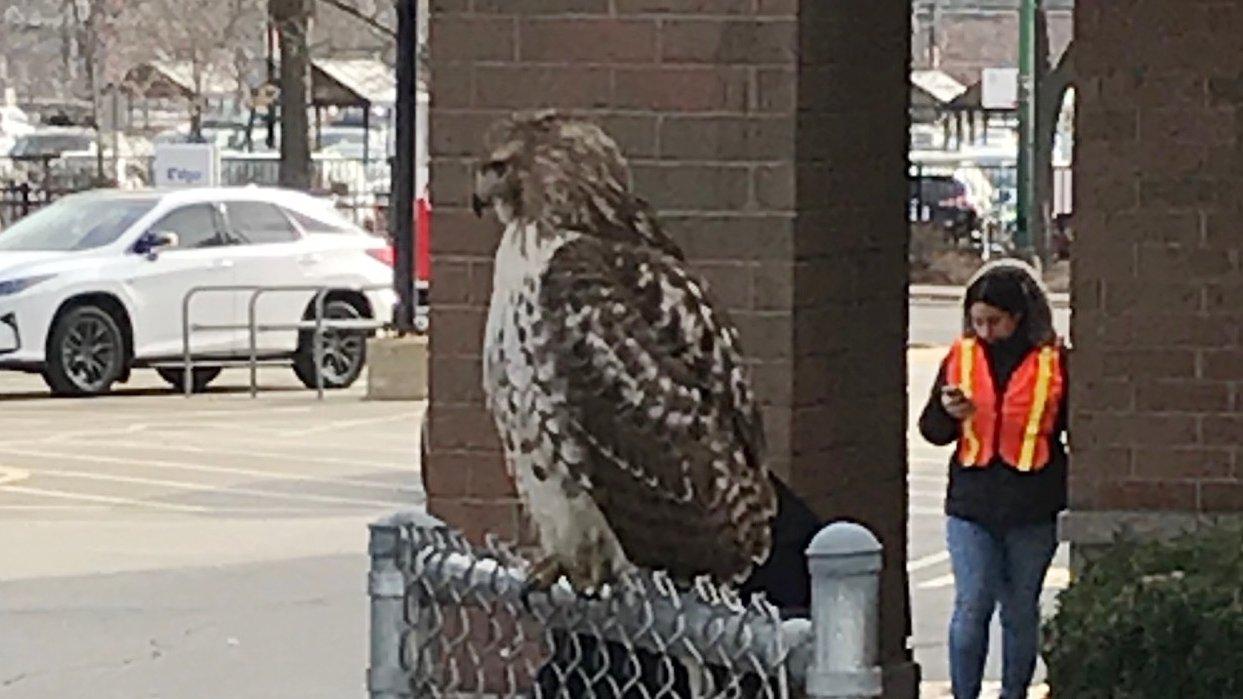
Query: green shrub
{"x": 1152, "y": 620}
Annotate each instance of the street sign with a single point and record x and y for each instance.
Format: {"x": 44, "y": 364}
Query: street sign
{"x": 187, "y": 165}
{"x": 999, "y": 88}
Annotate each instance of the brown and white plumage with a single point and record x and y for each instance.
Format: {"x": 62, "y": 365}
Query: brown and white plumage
{"x": 617, "y": 386}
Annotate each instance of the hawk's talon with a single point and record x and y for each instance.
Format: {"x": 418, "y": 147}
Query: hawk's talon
{"x": 524, "y": 596}
{"x": 544, "y": 574}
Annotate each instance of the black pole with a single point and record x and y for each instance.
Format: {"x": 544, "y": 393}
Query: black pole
{"x": 401, "y": 212}
{"x": 366, "y": 135}
{"x": 270, "y": 117}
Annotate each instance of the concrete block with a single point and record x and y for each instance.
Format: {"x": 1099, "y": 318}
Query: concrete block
{"x": 397, "y": 368}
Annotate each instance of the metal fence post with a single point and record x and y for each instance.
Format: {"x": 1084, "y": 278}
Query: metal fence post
{"x": 845, "y": 562}
{"x": 386, "y": 674}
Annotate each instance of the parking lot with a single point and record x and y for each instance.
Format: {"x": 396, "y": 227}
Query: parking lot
{"x": 213, "y": 546}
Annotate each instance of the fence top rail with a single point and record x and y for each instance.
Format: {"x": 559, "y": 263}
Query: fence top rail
{"x": 704, "y": 624}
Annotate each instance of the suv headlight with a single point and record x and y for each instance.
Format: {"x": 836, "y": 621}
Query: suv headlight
{"x": 8, "y": 287}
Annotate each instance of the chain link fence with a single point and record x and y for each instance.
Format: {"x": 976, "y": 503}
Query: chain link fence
{"x": 449, "y": 619}
{"x": 358, "y": 189}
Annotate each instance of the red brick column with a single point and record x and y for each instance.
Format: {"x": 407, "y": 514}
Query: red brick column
{"x": 1157, "y": 433}
{"x": 850, "y": 302}
{"x": 770, "y": 134}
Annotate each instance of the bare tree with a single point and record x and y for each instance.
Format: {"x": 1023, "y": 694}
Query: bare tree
{"x": 94, "y": 38}
{"x": 293, "y": 21}
{"x": 210, "y": 44}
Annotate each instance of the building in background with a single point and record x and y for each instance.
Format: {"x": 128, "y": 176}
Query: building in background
{"x": 963, "y": 37}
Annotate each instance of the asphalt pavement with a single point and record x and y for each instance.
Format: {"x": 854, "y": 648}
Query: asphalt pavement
{"x": 216, "y": 546}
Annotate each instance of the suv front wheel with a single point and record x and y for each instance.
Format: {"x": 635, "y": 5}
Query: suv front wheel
{"x": 86, "y": 353}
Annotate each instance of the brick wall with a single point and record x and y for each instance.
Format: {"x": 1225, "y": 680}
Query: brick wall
{"x": 698, "y": 96}
{"x": 752, "y": 157}
{"x": 850, "y": 301}
{"x": 1157, "y": 408}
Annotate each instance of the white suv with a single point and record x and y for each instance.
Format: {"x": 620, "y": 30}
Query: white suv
{"x": 92, "y": 286}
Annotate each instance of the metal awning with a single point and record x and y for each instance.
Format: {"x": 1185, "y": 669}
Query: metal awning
{"x": 352, "y": 83}
{"x": 176, "y": 79}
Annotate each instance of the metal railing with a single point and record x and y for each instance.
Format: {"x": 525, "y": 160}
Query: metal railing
{"x": 317, "y": 325}
{"x": 449, "y": 619}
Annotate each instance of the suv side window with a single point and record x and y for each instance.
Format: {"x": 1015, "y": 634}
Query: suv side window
{"x": 196, "y": 226}
{"x": 315, "y": 225}
{"x": 257, "y": 223}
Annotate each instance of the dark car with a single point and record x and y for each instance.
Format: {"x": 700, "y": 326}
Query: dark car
{"x": 943, "y": 201}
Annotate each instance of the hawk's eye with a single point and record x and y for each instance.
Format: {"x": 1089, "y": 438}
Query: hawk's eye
{"x": 496, "y": 167}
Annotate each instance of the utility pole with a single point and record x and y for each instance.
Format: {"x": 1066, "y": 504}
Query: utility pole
{"x": 1026, "y": 212}
{"x": 401, "y": 211}
{"x": 269, "y": 39}
{"x": 293, "y": 21}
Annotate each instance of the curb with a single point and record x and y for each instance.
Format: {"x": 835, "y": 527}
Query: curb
{"x": 941, "y": 690}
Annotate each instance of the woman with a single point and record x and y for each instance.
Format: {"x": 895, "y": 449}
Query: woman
{"x": 1001, "y": 397}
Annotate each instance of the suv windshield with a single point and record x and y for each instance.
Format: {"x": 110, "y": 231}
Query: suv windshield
{"x": 74, "y": 224}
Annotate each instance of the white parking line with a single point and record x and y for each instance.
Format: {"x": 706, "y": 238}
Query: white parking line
{"x": 927, "y": 561}
{"x": 82, "y": 497}
{"x": 53, "y": 508}
{"x": 938, "y": 582}
{"x": 79, "y": 434}
{"x": 12, "y": 475}
{"x": 223, "y": 470}
{"x": 345, "y": 424}
{"x": 225, "y": 490}
{"x": 283, "y": 455}
{"x": 197, "y": 433}
{"x": 1057, "y": 579}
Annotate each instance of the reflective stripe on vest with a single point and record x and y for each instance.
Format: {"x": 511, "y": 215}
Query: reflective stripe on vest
{"x": 971, "y": 443}
{"x": 1016, "y": 426}
{"x": 1040, "y": 399}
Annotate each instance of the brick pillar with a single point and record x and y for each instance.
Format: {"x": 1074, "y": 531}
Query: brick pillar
{"x": 848, "y": 450}
{"x": 1156, "y": 427}
{"x": 752, "y": 158}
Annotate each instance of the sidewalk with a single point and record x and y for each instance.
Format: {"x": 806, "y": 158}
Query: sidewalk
{"x": 953, "y": 294}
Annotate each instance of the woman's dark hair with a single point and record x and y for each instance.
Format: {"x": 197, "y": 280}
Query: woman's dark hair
{"x": 1003, "y": 289}
{"x": 1012, "y": 286}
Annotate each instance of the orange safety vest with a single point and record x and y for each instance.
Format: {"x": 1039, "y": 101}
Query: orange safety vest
{"x": 1019, "y": 428}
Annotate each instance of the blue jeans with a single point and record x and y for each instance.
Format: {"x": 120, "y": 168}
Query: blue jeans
{"x": 991, "y": 567}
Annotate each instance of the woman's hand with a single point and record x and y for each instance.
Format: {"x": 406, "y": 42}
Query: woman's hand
{"x": 956, "y": 403}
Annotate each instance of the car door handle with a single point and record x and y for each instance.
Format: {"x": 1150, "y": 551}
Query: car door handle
{"x": 311, "y": 259}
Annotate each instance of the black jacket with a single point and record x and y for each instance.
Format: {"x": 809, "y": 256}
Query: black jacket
{"x": 999, "y": 495}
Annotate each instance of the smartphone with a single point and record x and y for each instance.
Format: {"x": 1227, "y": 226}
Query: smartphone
{"x": 952, "y": 391}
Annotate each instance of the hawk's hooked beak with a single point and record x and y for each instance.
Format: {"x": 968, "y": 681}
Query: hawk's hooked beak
{"x": 477, "y": 204}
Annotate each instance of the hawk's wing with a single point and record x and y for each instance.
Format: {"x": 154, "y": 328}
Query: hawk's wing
{"x": 652, "y": 387}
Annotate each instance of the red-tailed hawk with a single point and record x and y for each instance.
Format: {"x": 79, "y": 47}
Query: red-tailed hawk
{"x": 628, "y": 423}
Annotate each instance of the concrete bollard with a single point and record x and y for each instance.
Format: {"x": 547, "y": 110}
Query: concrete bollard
{"x": 845, "y": 563}
{"x": 386, "y": 676}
